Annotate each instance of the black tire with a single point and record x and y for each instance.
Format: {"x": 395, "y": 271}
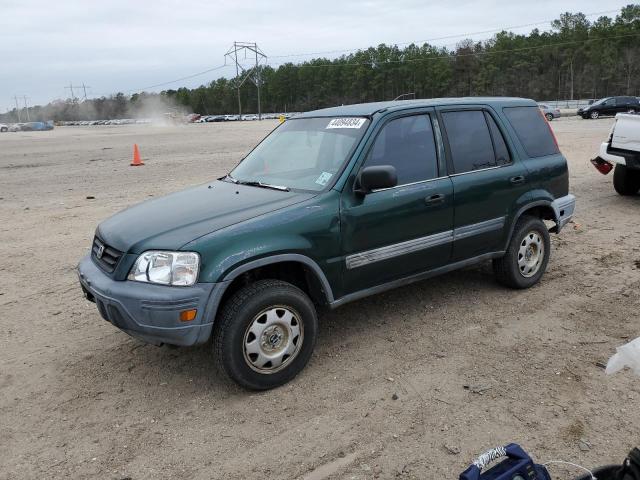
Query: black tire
{"x": 594, "y": 115}
{"x": 625, "y": 181}
{"x": 507, "y": 270}
{"x": 549, "y": 117}
{"x": 243, "y": 310}
{"x": 4, "y": 129}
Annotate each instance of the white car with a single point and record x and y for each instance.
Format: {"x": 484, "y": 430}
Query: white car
{"x": 4, "y": 128}
{"x": 621, "y": 153}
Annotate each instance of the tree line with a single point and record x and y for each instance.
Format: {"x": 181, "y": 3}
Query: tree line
{"x": 575, "y": 58}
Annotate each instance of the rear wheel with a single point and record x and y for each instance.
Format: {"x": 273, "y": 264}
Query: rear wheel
{"x": 625, "y": 181}
{"x": 594, "y": 115}
{"x": 549, "y": 117}
{"x": 4, "y": 129}
{"x": 265, "y": 334}
{"x": 527, "y": 256}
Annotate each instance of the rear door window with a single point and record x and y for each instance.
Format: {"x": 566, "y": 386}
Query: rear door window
{"x": 469, "y": 140}
{"x": 499, "y": 145}
{"x": 532, "y": 130}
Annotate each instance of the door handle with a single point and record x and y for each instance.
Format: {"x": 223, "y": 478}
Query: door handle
{"x": 517, "y": 179}
{"x": 434, "y": 199}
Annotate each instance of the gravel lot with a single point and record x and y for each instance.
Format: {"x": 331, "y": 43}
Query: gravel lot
{"x": 80, "y": 399}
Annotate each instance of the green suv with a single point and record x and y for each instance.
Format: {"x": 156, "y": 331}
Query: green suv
{"x": 334, "y": 205}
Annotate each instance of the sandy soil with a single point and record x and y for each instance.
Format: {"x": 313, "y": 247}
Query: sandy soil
{"x": 80, "y": 399}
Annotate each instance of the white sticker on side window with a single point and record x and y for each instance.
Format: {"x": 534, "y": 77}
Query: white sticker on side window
{"x": 324, "y": 178}
{"x": 347, "y": 122}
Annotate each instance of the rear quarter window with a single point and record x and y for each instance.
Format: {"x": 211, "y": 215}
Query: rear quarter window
{"x": 532, "y": 130}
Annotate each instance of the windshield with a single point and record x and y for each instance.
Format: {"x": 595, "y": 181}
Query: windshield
{"x": 303, "y": 154}
{"x": 601, "y": 101}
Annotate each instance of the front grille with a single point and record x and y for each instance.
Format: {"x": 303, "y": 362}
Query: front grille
{"x": 108, "y": 259}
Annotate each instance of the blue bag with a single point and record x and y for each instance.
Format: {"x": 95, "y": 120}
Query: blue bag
{"x": 517, "y": 465}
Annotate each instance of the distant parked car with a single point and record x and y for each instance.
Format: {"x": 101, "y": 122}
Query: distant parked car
{"x": 4, "y": 128}
{"x": 38, "y": 126}
{"x": 249, "y": 117}
{"x": 548, "y": 112}
{"x": 610, "y": 106}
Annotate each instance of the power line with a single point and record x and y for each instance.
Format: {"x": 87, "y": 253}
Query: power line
{"x": 417, "y": 42}
{"x": 176, "y": 80}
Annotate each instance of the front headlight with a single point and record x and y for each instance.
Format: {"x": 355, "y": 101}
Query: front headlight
{"x": 166, "y": 268}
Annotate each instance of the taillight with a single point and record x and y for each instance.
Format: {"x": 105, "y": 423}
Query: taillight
{"x": 555, "y": 140}
{"x": 602, "y": 165}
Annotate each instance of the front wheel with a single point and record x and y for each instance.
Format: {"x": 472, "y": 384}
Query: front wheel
{"x": 549, "y": 117}
{"x": 4, "y": 129}
{"x": 625, "y": 181}
{"x": 527, "y": 256}
{"x": 265, "y": 334}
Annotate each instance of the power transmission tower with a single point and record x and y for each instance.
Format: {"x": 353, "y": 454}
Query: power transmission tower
{"x": 17, "y": 108}
{"x": 25, "y": 98}
{"x": 84, "y": 88}
{"x": 70, "y": 87}
{"x": 250, "y": 49}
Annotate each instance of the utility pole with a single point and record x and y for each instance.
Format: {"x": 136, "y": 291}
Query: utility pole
{"x": 243, "y": 74}
{"x": 17, "y": 108}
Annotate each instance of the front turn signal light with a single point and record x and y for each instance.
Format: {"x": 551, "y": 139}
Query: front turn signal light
{"x": 188, "y": 315}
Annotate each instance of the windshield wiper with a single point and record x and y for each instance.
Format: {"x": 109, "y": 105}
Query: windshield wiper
{"x": 255, "y": 183}
{"x": 230, "y": 178}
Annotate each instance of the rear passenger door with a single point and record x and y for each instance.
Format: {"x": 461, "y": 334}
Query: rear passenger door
{"x": 626, "y": 104}
{"x": 487, "y": 179}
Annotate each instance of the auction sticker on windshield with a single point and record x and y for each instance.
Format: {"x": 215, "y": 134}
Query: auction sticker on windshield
{"x": 323, "y": 178}
{"x": 346, "y": 122}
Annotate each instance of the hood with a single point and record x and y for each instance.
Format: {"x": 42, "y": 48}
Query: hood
{"x": 169, "y": 222}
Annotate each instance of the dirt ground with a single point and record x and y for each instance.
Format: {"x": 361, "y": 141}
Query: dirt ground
{"x": 384, "y": 394}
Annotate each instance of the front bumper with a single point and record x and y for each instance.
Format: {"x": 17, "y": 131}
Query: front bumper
{"x": 563, "y": 208}
{"x": 151, "y": 312}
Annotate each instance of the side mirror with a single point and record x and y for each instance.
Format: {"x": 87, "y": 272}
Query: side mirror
{"x": 374, "y": 178}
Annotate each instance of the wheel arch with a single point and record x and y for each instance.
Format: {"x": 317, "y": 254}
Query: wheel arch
{"x": 299, "y": 270}
{"x": 543, "y": 209}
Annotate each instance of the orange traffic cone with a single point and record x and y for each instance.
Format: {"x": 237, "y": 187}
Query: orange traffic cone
{"x": 136, "y": 156}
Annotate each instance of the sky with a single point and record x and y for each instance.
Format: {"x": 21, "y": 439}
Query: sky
{"x": 130, "y": 45}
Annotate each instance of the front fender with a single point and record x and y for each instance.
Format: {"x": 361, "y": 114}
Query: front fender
{"x": 309, "y": 231}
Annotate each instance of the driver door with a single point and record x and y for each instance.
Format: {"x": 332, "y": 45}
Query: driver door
{"x": 393, "y": 233}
